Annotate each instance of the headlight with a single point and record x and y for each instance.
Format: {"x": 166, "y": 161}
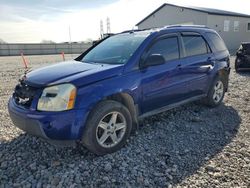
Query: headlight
{"x": 57, "y": 98}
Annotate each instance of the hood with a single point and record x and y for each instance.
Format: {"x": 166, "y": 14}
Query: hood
{"x": 72, "y": 71}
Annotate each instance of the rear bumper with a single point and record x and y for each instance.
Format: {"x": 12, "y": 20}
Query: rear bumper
{"x": 242, "y": 63}
{"x": 59, "y": 128}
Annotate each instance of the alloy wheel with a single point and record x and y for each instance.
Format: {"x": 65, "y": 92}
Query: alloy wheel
{"x": 111, "y": 129}
{"x": 218, "y": 91}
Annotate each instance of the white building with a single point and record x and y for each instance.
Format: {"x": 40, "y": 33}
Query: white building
{"x": 233, "y": 27}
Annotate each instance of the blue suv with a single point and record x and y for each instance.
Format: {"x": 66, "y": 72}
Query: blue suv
{"x": 98, "y": 98}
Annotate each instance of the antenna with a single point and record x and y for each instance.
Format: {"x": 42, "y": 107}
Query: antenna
{"x": 108, "y": 25}
{"x": 101, "y": 29}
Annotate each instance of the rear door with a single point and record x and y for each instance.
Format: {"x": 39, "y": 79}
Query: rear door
{"x": 197, "y": 63}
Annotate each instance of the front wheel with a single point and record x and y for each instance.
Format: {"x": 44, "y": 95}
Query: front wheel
{"x": 216, "y": 93}
{"x": 108, "y": 127}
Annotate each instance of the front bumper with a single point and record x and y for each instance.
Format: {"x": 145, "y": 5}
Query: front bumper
{"x": 59, "y": 128}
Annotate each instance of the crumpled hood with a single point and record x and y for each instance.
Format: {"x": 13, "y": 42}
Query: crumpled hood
{"x": 75, "y": 72}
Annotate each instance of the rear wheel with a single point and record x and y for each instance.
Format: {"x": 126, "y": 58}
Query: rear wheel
{"x": 216, "y": 93}
{"x": 108, "y": 127}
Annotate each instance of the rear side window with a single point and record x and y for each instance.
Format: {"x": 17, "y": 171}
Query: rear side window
{"x": 195, "y": 45}
{"x": 217, "y": 42}
{"x": 167, "y": 47}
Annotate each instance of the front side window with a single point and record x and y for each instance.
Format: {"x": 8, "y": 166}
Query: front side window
{"x": 195, "y": 45}
{"x": 167, "y": 47}
{"x": 115, "y": 50}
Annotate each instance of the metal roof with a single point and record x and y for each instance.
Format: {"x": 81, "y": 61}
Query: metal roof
{"x": 200, "y": 9}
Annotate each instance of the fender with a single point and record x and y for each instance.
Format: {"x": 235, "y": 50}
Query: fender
{"x": 89, "y": 96}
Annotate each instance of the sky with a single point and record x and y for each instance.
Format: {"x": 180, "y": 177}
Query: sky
{"x": 31, "y": 21}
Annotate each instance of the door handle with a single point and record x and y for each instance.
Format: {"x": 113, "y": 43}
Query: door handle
{"x": 200, "y": 69}
{"x": 206, "y": 68}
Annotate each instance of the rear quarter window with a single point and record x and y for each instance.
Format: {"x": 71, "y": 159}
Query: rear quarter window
{"x": 217, "y": 42}
{"x": 195, "y": 45}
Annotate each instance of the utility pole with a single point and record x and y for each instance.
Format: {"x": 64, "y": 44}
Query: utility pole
{"x": 108, "y": 25}
{"x": 70, "y": 42}
{"x": 101, "y": 29}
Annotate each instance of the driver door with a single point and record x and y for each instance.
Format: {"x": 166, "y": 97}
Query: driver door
{"x": 163, "y": 84}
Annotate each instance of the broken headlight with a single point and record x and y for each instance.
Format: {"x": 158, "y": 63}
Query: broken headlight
{"x": 57, "y": 98}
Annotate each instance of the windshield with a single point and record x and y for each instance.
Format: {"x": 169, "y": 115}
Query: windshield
{"x": 116, "y": 49}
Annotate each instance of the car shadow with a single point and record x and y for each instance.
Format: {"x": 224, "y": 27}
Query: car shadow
{"x": 168, "y": 148}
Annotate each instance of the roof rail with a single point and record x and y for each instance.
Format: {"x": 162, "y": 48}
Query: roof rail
{"x": 197, "y": 26}
{"x": 165, "y": 27}
{"x": 133, "y": 30}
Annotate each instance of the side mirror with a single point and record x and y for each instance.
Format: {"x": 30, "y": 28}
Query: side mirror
{"x": 153, "y": 60}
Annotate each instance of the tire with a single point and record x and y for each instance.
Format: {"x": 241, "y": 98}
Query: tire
{"x": 108, "y": 127}
{"x": 236, "y": 65}
{"x": 219, "y": 87}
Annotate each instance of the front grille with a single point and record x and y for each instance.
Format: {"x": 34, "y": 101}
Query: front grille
{"x": 24, "y": 94}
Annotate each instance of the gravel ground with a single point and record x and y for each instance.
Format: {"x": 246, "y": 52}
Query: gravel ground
{"x": 190, "y": 146}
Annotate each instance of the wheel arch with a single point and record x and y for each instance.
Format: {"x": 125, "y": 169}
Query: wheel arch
{"x": 123, "y": 98}
{"x": 224, "y": 75}
{"x": 128, "y": 101}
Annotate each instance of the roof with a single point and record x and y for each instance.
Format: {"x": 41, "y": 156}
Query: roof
{"x": 200, "y": 9}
